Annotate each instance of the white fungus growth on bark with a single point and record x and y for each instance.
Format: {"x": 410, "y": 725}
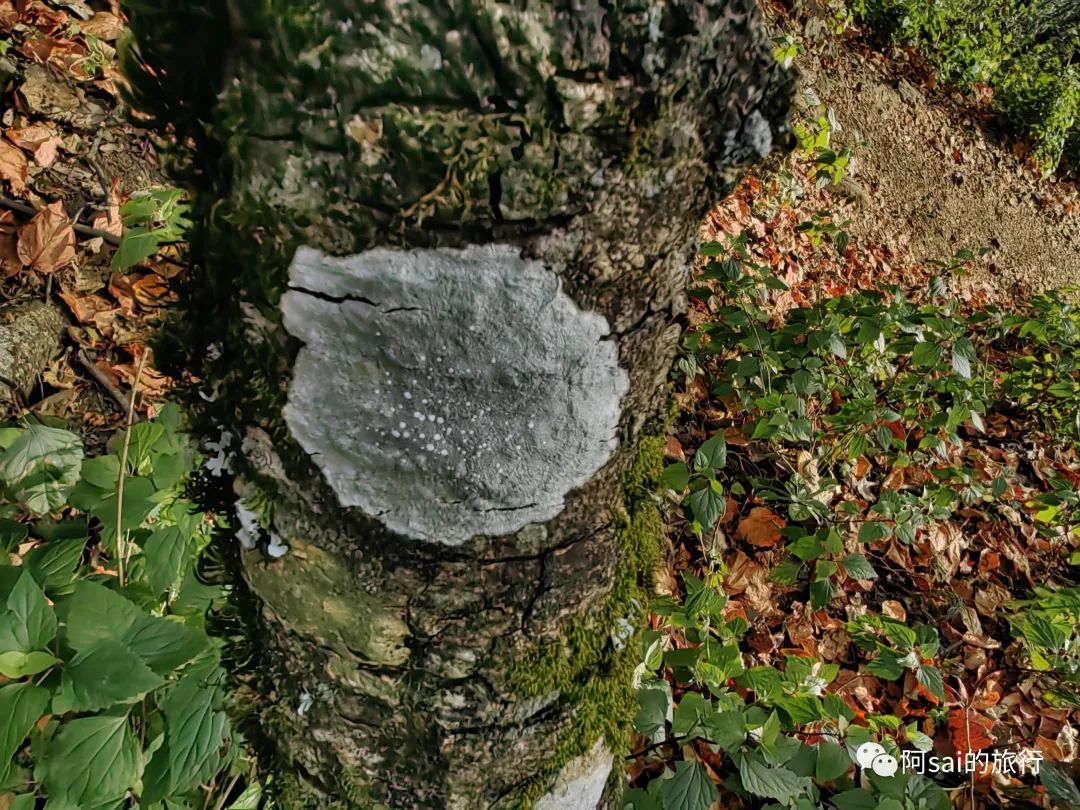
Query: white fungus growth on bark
{"x": 448, "y": 392}
{"x": 580, "y": 784}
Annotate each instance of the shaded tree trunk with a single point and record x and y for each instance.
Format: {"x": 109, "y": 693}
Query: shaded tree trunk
{"x": 445, "y": 246}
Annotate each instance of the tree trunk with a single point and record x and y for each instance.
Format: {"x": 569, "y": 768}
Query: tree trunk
{"x": 445, "y": 246}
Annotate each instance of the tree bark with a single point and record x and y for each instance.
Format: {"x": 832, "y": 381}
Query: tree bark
{"x": 444, "y": 248}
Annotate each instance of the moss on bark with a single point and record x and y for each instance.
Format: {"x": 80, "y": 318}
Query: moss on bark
{"x": 586, "y": 664}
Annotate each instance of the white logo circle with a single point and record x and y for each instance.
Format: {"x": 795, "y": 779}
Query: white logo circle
{"x": 884, "y": 765}
{"x": 867, "y": 753}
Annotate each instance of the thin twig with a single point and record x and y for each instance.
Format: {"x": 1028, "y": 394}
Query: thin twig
{"x": 121, "y": 551}
{"x": 29, "y": 210}
{"x": 224, "y": 796}
{"x": 106, "y": 191}
{"x": 103, "y": 380}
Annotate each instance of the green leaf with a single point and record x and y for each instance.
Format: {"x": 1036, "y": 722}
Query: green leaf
{"x": 926, "y": 354}
{"x": 164, "y": 644}
{"x": 832, "y": 761}
{"x": 770, "y": 731}
{"x": 857, "y": 566}
{"x": 29, "y": 623}
{"x": 90, "y": 761}
{"x": 12, "y": 533}
{"x": 899, "y": 634}
{"x": 727, "y": 729}
{"x": 806, "y": 548}
{"x": 857, "y": 799}
{"x": 136, "y": 245}
{"x": 94, "y": 613}
{"x": 102, "y": 472}
{"x": 802, "y": 709}
{"x": 639, "y": 800}
{"x": 101, "y": 676}
{"x": 41, "y": 466}
{"x": 821, "y": 593}
{"x": 675, "y": 476}
{"x": 167, "y": 553}
{"x": 836, "y": 345}
{"x": 872, "y": 531}
{"x": 249, "y": 799}
{"x": 712, "y": 455}
{"x": 689, "y": 715}
{"x": 963, "y": 355}
{"x": 930, "y": 678}
{"x": 771, "y": 782}
{"x": 140, "y": 498}
{"x": 707, "y": 505}
{"x": 21, "y": 704}
{"x": 653, "y": 708}
{"x": 1059, "y": 786}
{"x": 689, "y": 789}
{"x": 53, "y": 565}
{"x": 195, "y": 734}
{"x": 16, "y": 664}
{"x": 886, "y": 665}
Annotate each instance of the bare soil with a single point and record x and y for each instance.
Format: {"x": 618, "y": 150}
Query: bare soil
{"x": 936, "y": 182}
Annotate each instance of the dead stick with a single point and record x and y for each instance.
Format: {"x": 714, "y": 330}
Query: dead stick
{"x": 29, "y": 210}
{"x": 121, "y": 551}
{"x": 104, "y": 380}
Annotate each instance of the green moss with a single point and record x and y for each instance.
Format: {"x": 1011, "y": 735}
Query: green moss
{"x": 586, "y": 669}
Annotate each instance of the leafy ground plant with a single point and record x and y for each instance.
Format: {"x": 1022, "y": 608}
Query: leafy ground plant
{"x": 111, "y": 689}
{"x": 878, "y": 473}
{"x": 152, "y": 219}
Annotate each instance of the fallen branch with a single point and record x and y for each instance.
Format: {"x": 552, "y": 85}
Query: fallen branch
{"x": 29, "y": 210}
{"x": 103, "y": 379}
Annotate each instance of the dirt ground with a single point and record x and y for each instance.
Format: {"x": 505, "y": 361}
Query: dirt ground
{"x": 936, "y": 182}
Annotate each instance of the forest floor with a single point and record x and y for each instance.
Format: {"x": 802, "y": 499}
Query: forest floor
{"x": 69, "y": 151}
{"x": 933, "y": 201}
{"x": 936, "y": 180}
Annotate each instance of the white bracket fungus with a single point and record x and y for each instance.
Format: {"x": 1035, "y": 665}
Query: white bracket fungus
{"x": 448, "y": 392}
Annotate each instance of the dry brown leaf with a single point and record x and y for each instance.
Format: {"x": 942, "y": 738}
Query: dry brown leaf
{"x": 9, "y": 253}
{"x": 104, "y": 26}
{"x": 674, "y": 449}
{"x": 988, "y": 600}
{"x": 150, "y": 290}
{"x": 760, "y": 528}
{"x": 894, "y": 610}
{"x": 14, "y": 166}
{"x": 40, "y": 16}
{"x": 120, "y": 288}
{"x": 969, "y": 731}
{"x": 47, "y": 241}
{"x": 59, "y": 374}
{"x": 40, "y": 141}
{"x": 86, "y": 307}
{"x": 39, "y": 49}
{"x": 8, "y": 15}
